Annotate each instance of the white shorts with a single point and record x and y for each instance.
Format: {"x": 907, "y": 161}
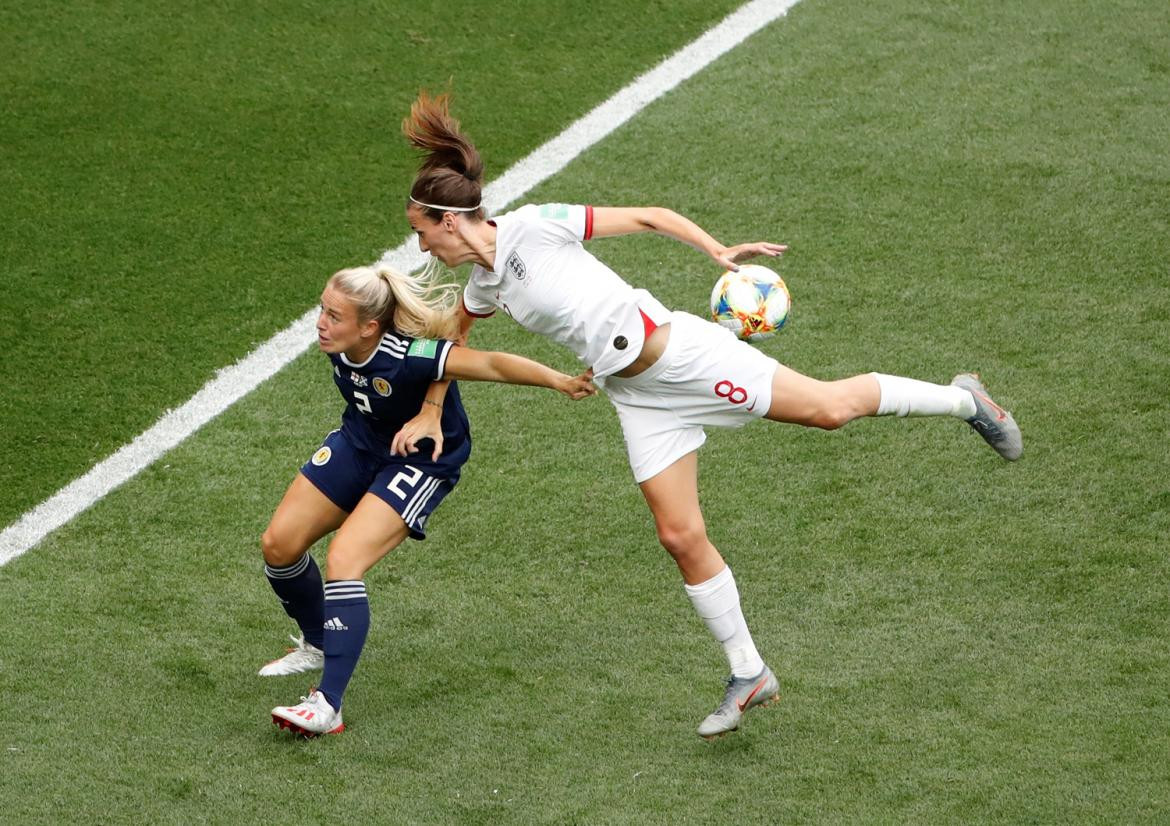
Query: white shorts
{"x": 705, "y": 376}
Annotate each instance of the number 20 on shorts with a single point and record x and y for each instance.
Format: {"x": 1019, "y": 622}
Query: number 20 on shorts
{"x": 733, "y": 394}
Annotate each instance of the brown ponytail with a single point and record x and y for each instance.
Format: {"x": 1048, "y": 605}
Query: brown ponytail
{"x": 451, "y": 173}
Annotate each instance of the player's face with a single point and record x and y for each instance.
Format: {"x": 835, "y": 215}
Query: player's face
{"x": 338, "y": 329}
{"x": 439, "y": 238}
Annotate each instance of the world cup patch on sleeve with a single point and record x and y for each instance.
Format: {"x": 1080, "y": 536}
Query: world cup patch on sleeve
{"x": 423, "y": 347}
{"x": 557, "y": 212}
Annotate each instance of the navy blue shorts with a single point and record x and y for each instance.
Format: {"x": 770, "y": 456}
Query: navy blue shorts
{"x": 345, "y": 474}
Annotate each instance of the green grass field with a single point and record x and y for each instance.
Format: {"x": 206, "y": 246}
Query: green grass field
{"x": 965, "y": 186}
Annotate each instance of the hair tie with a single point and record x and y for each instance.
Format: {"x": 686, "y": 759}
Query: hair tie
{"x": 445, "y": 208}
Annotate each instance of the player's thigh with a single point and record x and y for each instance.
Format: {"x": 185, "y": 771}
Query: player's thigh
{"x": 673, "y": 494}
{"x": 796, "y": 398}
{"x": 800, "y": 399}
{"x": 368, "y": 534}
{"x": 304, "y": 515}
{"x": 673, "y": 497}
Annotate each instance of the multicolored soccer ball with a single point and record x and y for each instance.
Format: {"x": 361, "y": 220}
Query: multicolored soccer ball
{"x": 753, "y": 303}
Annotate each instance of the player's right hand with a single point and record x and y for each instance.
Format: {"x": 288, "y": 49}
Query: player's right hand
{"x": 579, "y": 387}
{"x": 732, "y": 257}
{"x": 422, "y": 426}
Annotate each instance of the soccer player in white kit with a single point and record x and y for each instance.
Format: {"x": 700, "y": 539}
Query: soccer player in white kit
{"x": 668, "y": 374}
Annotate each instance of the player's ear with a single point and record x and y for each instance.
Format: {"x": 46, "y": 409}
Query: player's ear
{"x": 370, "y": 329}
{"x": 449, "y": 221}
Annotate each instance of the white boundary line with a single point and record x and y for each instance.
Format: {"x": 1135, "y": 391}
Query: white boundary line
{"x": 233, "y": 383}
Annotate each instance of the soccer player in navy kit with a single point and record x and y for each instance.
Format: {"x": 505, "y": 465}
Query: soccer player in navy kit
{"x": 668, "y": 374}
{"x": 384, "y": 333}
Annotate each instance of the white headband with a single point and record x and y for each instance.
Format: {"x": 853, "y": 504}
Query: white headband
{"x": 445, "y": 208}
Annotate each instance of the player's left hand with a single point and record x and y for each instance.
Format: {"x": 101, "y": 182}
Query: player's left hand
{"x": 733, "y": 256}
{"x": 425, "y": 425}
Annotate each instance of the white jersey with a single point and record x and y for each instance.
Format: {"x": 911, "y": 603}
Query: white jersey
{"x": 546, "y": 281}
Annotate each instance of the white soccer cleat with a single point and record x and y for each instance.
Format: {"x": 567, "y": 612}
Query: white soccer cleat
{"x": 742, "y": 695}
{"x": 310, "y": 717}
{"x": 304, "y": 657}
{"x": 991, "y": 421}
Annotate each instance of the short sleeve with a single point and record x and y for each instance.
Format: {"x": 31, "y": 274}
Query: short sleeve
{"x": 572, "y": 222}
{"x": 476, "y": 302}
{"x": 426, "y": 358}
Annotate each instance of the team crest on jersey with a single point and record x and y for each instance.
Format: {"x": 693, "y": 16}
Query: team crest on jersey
{"x": 515, "y": 266}
{"x": 358, "y": 379}
{"x": 381, "y": 386}
{"x": 322, "y": 456}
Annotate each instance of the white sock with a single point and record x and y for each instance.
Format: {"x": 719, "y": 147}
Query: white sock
{"x": 717, "y": 602}
{"x": 911, "y": 397}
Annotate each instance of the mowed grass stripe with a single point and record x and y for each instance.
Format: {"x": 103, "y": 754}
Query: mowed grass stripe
{"x": 179, "y": 181}
{"x": 234, "y": 382}
{"x": 959, "y": 639}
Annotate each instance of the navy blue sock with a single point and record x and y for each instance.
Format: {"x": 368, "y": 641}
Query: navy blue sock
{"x": 347, "y": 621}
{"x": 299, "y": 588}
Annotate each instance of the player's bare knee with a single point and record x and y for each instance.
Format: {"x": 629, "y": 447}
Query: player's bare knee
{"x": 835, "y": 416}
{"x": 836, "y": 410}
{"x": 268, "y": 546}
{"x": 682, "y": 541}
{"x": 278, "y": 553}
{"x": 344, "y": 562}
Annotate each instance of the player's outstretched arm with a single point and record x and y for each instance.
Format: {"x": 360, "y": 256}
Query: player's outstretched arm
{"x": 610, "y": 221}
{"x": 478, "y": 365}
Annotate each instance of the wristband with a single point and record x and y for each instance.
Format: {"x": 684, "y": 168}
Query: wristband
{"x": 436, "y": 404}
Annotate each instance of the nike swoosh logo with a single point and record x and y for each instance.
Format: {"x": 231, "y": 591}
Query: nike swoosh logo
{"x": 748, "y": 699}
{"x": 753, "y": 407}
{"x": 1000, "y": 413}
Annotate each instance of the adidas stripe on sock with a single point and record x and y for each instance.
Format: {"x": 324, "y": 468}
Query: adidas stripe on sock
{"x": 346, "y": 624}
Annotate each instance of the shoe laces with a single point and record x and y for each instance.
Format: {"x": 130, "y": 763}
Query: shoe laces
{"x": 728, "y": 695}
{"x": 314, "y": 697}
{"x": 734, "y": 684}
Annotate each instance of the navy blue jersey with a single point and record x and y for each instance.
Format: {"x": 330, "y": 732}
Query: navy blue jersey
{"x": 387, "y": 390}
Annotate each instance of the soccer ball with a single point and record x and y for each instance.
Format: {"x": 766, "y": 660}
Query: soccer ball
{"x": 753, "y": 303}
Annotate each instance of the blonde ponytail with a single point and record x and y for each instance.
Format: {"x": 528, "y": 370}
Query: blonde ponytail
{"x": 414, "y": 305}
